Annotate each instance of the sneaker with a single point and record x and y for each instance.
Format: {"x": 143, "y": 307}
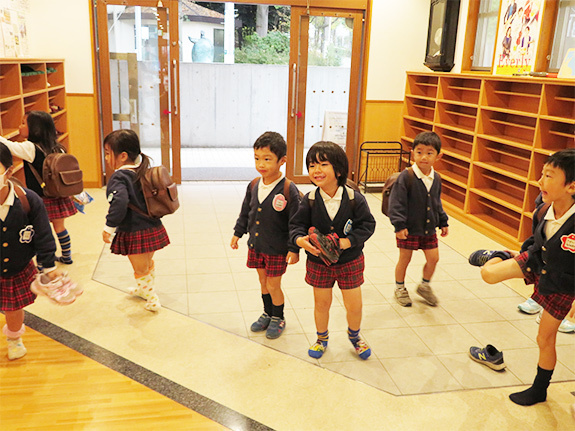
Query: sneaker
{"x": 426, "y": 293}
{"x": 328, "y": 245}
{"x": 317, "y": 350}
{"x": 60, "y": 290}
{"x": 261, "y": 324}
{"x": 16, "y": 348}
{"x": 489, "y": 356}
{"x": 275, "y": 328}
{"x": 529, "y": 307}
{"x": 479, "y": 257}
{"x": 566, "y": 326}
{"x": 362, "y": 349}
{"x": 402, "y": 296}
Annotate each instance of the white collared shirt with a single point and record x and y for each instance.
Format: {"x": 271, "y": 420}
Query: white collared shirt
{"x": 553, "y": 225}
{"x": 9, "y": 202}
{"x": 265, "y": 189}
{"x": 332, "y": 204}
{"x": 427, "y": 179}
{"x": 24, "y": 150}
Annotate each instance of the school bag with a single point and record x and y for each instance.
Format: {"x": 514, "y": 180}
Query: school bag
{"x": 160, "y": 193}
{"x": 286, "y": 188}
{"x": 61, "y": 175}
{"x": 388, "y": 186}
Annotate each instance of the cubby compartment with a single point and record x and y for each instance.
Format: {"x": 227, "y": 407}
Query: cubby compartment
{"x": 36, "y": 102}
{"x": 33, "y": 77}
{"x": 526, "y": 228}
{"x": 452, "y": 193}
{"x": 456, "y": 144}
{"x": 510, "y": 127}
{"x": 422, "y": 85}
{"x": 530, "y": 197}
{"x": 459, "y": 89}
{"x": 506, "y": 158}
{"x": 458, "y": 117}
{"x": 537, "y": 163}
{"x": 555, "y": 135}
{"x": 453, "y": 169}
{"x": 559, "y": 101}
{"x": 513, "y": 95}
{"x": 55, "y": 74}
{"x": 492, "y": 213}
{"x": 9, "y": 80}
{"x": 505, "y": 190}
{"x": 413, "y": 127}
{"x": 11, "y": 113}
{"x": 420, "y": 108}
{"x": 57, "y": 100}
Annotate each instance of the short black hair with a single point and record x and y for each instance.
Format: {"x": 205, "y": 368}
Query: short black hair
{"x": 5, "y": 156}
{"x": 326, "y": 151}
{"x": 274, "y": 141}
{"x": 428, "y": 138}
{"x": 564, "y": 160}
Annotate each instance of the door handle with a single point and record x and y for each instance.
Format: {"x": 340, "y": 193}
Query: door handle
{"x": 176, "y": 86}
{"x": 294, "y": 70}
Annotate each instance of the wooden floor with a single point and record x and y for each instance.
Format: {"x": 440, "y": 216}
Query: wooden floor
{"x": 56, "y": 388}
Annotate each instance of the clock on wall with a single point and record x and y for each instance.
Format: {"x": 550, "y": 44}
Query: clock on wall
{"x": 441, "y": 35}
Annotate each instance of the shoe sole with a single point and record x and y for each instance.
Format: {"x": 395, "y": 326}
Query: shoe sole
{"x": 407, "y": 304}
{"x": 496, "y": 367}
{"x": 429, "y": 302}
{"x": 526, "y": 311}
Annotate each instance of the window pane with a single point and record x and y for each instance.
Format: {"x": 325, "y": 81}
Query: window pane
{"x": 564, "y": 38}
{"x": 486, "y": 33}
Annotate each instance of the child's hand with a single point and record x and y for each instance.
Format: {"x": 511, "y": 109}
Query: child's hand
{"x": 303, "y": 242}
{"x": 292, "y": 258}
{"x": 344, "y": 243}
{"x": 444, "y": 231}
{"x": 52, "y": 275}
{"x": 402, "y": 234}
{"x": 107, "y": 237}
{"x": 513, "y": 253}
{"x": 234, "y": 242}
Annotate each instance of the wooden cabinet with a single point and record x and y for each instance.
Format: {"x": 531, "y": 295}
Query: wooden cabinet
{"x": 496, "y": 135}
{"x": 32, "y": 85}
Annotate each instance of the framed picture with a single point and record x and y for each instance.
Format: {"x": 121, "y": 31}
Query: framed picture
{"x": 441, "y": 35}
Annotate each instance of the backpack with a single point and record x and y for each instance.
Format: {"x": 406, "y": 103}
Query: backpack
{"x": 20, "y": 194}
{"x": 286, "y": 187}
{"x": 160, "y": 193}
{"x": 61, "y": 175}
{"x": 388, "y": 186}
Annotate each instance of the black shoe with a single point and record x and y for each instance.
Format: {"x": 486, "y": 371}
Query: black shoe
{"x": 480, "y": 257}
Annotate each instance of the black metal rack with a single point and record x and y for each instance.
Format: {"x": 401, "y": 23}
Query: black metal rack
{"x": 382, "y": 158}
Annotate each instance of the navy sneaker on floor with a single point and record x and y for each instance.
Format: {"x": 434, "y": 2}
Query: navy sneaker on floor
{"x": 480, "y": 257}
{"x": 261, "y": 324}
{"x": 489, "y": 356}
{"x": 275, "y": 328}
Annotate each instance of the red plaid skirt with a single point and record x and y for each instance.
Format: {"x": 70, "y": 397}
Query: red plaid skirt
{"x": 348, "y": 275}
{"x": 417, "y": 242}
{"x": 556, "y": 304}
{"x": 15, "y": 292}
{"x": 58, "y": 208}
{"x": 141, "y": 241}
{"x": 274, "y": 264}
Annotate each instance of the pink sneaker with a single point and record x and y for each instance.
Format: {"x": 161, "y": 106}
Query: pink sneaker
{"x": 60, "y": 290}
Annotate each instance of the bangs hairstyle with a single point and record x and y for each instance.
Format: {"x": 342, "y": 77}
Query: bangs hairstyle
{"x": 5, "y": 156}
{"x": 127, "y": 141}
{"x": 326, "y": 151}
{"x": 428, "y": 138}
{"x": 564, "y": 160}
{"x": 274, "y": 141}
{"x": 42, "y": 131}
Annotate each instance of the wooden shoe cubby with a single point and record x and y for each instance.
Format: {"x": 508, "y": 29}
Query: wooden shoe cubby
{"x": 496, "y": 134}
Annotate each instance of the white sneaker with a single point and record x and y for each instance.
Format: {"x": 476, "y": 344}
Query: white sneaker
{"x": 529, "y": 307}
{"x": 61, "y": 290}
{"x": 566, "y": 325}
{"x": 16, "y": 348}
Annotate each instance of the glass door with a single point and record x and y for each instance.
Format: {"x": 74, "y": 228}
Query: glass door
{"x": 139, "y": 65}
{"x": 324, "y": 86}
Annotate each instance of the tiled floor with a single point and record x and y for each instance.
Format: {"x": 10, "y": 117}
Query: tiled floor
{"x": 415, "y": 350}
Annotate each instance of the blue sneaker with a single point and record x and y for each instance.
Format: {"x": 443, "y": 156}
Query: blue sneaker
{"x": 275, "y": 328}
{"x": 480, "y": 257}
{"x": 261, "y": 324}
{"x": 489, "y": 356}
{"x": 529, "y": 307}
{"x": 362, "y": 349}
{"x": 317, "y": 350}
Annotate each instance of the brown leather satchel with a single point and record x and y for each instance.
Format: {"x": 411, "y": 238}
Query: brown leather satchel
{"x": 160, "y": 193}
{"x": 61, "y": 175}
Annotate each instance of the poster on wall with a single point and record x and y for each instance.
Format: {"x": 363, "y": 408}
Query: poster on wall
{"x": 13, "y": 34}
{"x": 517, "y": 36}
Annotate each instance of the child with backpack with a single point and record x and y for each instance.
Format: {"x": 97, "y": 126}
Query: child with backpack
{"x": 41, "y": 139}
{"x": 25, "y": 233}
{"x": 332, "y": 224}
{"x": 270, "y": 202}
{"x": 129, "y": 229}
{"x": 415, "y": 211}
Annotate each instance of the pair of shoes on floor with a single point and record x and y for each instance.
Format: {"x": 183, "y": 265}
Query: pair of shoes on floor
{"x": 328, "y": 245}
{"x": 317, "y": 349}
{"x": 16, "y": 348}
{"x": 62, "y": 290}
{"x": 274, "y": 326}
{"x": 480, "y": 257}
{"x": 566, "y": 326}
{"x": 489, "y": 356}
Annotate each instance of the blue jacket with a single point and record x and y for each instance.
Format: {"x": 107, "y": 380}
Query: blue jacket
{"x": 352, "y": 221}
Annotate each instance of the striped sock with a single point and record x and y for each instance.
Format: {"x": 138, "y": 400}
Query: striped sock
{"x": 66, "y": 246}
{"x": 323, "y": 338}
{"x": 353, "y": 336}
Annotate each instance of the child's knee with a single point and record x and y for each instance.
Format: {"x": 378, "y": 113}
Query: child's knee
{"x": 488, "y": 275}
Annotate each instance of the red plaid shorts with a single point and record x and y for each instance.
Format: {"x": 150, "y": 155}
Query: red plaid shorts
{"x": 274, "y": 264}
{"x": 348, "y": 275}
{"x": 15, "y": 292}
{"x": 417, "y": 242}
{"x": 58, "y": 208}
{"x": 140, "y": 241}
{"x": 556, "y": 304}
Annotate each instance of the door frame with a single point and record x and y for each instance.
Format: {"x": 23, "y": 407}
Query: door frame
{"x": 170, "y": 121}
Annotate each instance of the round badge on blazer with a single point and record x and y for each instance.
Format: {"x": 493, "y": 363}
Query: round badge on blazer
{"x": 347, "y": 227}
{"x": 26, "y": 234}
{"x": 111, "y": 196}
{"x": 279, "y": 202}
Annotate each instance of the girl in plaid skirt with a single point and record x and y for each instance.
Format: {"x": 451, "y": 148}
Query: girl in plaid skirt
{"x": 128, "y": 229}
{"x": 41, "y": 139}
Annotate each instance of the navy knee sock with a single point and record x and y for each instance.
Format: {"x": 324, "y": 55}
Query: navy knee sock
{"x": 66, "y": 246}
